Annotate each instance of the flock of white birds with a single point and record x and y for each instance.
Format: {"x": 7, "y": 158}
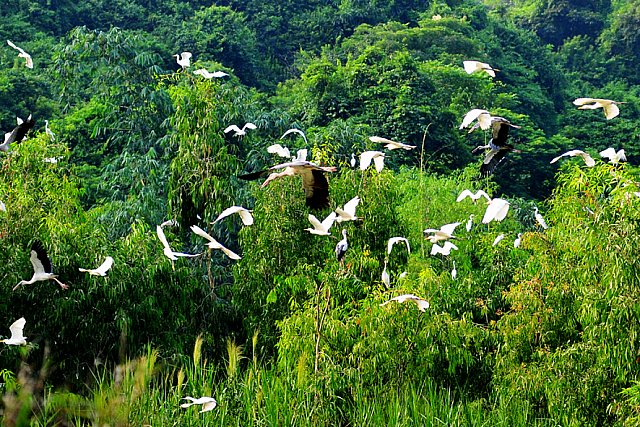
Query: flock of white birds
{"x": 316, "y": 189}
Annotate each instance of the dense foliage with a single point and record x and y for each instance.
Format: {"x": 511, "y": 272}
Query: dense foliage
{"x": 541, "y": 334}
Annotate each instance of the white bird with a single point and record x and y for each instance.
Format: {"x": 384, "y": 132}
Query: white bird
{"x": 385, "y": 276}
{"x": 516, "y": 243}
{"x": 183, "y": 59}
{"x": 208, "y": 75}
{"x": 475, "y": 66}
{"x": 483, "y": 117}
{"x": 539, "y": 219}
{"x": 614, "y": 156}
{"x": 392, "y": 241}
{"x": 496, "y": 210}
{"x": 444, "y": 233}
{"x": 349, "y": 211}
{"x": 42, "y": 269}
{"x": 454, "y": 272}
{"x": 445, "y": 249}
{"x": 213, "y": 243}
{"x": 321, "y": 228}
{"x": 48, "y": 131}
{"x": 314, "y": 183}
{"x": 498, "y": 239}
{"x": 474, "y": 196}
{"x": 245, "y": 214}
{"x": 588, "y": 160}
{"x": 298, "y": 131}
{"x": 342, "y": 246}
{"x": 3, "y": 208}
{"x": 238, "y": 131}
{"x": 391, "y": 145}
{"x": 353, "y": 160}
{"x": 376, "y": 156}
{"x": 22, "y": 54}
{"x": 403, "y": 275}
{"x": 419, "y": 302}
{"x": 279, "y": 150}
{"x": 609, "y": 107}
{"x": 469, "y": 223}
{"x": 168, "y": 252}
{"x": 102, "y": 270}
{"x": 170, "y": 223}
{"x": 17, "y": 333}
{"x": 208, "y": 403}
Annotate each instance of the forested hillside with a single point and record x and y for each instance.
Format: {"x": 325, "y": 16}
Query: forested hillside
{"x": 531, "y": 318}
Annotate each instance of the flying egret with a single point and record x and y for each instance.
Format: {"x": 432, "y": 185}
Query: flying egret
{"x": 102, "y": 270}
{"x": 42, "y": 269}
{"x": 588, "y": 160}
{"x": 474, "y": 196}
{"x": 245, "y": 214}
{"x": 349, "y": 211}
{"x": 168, "y": 252}
{"x": 385, "y": 276}
{"x": 391, "y": 145}
{"x": 469, "y": 223}
{"x": 170, "y": 223}
{"x": 516, "y": 243}
{"x": 498, "y": 239}
{"x": 22, "y": 54}
{"x": 279, "y": 150}
{"x": 238, "y": 131}
{"x": 476, "y": 66}
{"x": 454, "y": 272}
{"x": 376, "y": 156}
{"x": 342, "y": 246}
{"x": 209, "y": 75}
{"x": 392, "y": 241}
{"x": 498, "y": 147}
{"x": 48, "y": 131}
{"x": 609, "y": 107}
{"x": 445, "y": 249}
{"x": 314, "y": 183}
{"x": 483, "y": 117}
{"x": 298, "y": 131}
{"x": 17, "y": 333}
{"x": 321, "y": 228}
{"x": 444, "y": 233}
{"x": 208, "y": 403}
{"x": 539, "y": 219}
{"x": 18, "y": 133}
{"x": 213, "y": 243}
{"x": 496, "y": 210}
{"x": 183, "y": 59}
{"x": 614, "y": 156}
{"x": 419, "y": 302}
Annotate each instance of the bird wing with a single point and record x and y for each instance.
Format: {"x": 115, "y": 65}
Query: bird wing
{"x": 17, "y": 329}
{"x": 279, "y": 150}
{"x": 249, "y": 125}
{"x": 474, "y": 114}
{"x": 327, "y": 223}
{"x": 39, "y": 259}
{"x": 447, "y": 246}
{"x": 449, "y": 228}
{"x": 463, "y": 194}
{"x": 366, "y": 157}
{"x": 379, "y": 162}
{"x": 316, "y": 187}
{"x": 392, "y": 241}
{"x": 20, "y": 131}
{"x": 498, "y": 238}
{"x": 209, "y": 406}
{"x": 609, "y": 153}
{"x": 298, "y": 131}
{"x": 162, "y": 237}
{"x": 350, "y": 206}
{"x": 610, "y": 110}
{"x": 229, "y": 211}
{"x": 436, "y": 249}
{"x": 583, "y": 101}
{"x": 471, "y": 66}
{"x": 491, "y": 161}
{"x": 621, "y": 156}
{"x": 301, "y": 155}
{"x": 481, "y": 193}
{"x": 200, "y": 232}
{"x": 502, "y": 209}
{"x": 315, "y": 222}
{"x": 232, "y": 128}
{"x": 105, "y": 266}
{"x": 203, "y": 72}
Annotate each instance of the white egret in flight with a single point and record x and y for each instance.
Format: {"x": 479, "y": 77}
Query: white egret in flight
{"x": 444, "y": 233}
{"x": 419, "y": 302}
{"x": 17, "y": 333}
{"x": 392, "y": 241}
{"x": 238, "y": 131}
{"x": 168, "y": 252}
{"x": 245, "y": 214}
{"x": 213, "y": 243}
{"x": 209, "y": 75}
{"x": 183, "y": 59}
{"x": 445, "y": 249}
{"x": 376, "y": 156}
{"x": 474, "y": 196}
{"x": 614, "y": 156}
{"x": 314, "y": 183}
{"x": 476, "y": 66}
{"x": 609, "y": 107}
{"x": 298, "y": 131}
{"x": 208, "y": 403}
{"x": 496, "y": 210}
{"x": 588, "y": 160}
{"x": 342, "y": 246}
{"x": 321, "y": 228}
{"x": 391, "y": 145}
{"x": 279, "y": 150}
{"x": 102, "y": 270}
{"x": 42, "y": 269}
{"x": 22, "y": 54}
{"x": 483, "y": 117}
{"x": 349, "y": 211}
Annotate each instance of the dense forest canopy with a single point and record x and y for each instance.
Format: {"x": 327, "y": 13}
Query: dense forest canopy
{"x": 525, "y": 325}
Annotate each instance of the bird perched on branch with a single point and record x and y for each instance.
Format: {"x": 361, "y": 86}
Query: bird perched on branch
{"x": 22, "y": 54}
{"x": 314, "y": 183}
{"x": 342, "y": 246}
{"x": 609, "y": 107}
{"x": 42, "y": 269}
{"x": 498, "y": 147}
